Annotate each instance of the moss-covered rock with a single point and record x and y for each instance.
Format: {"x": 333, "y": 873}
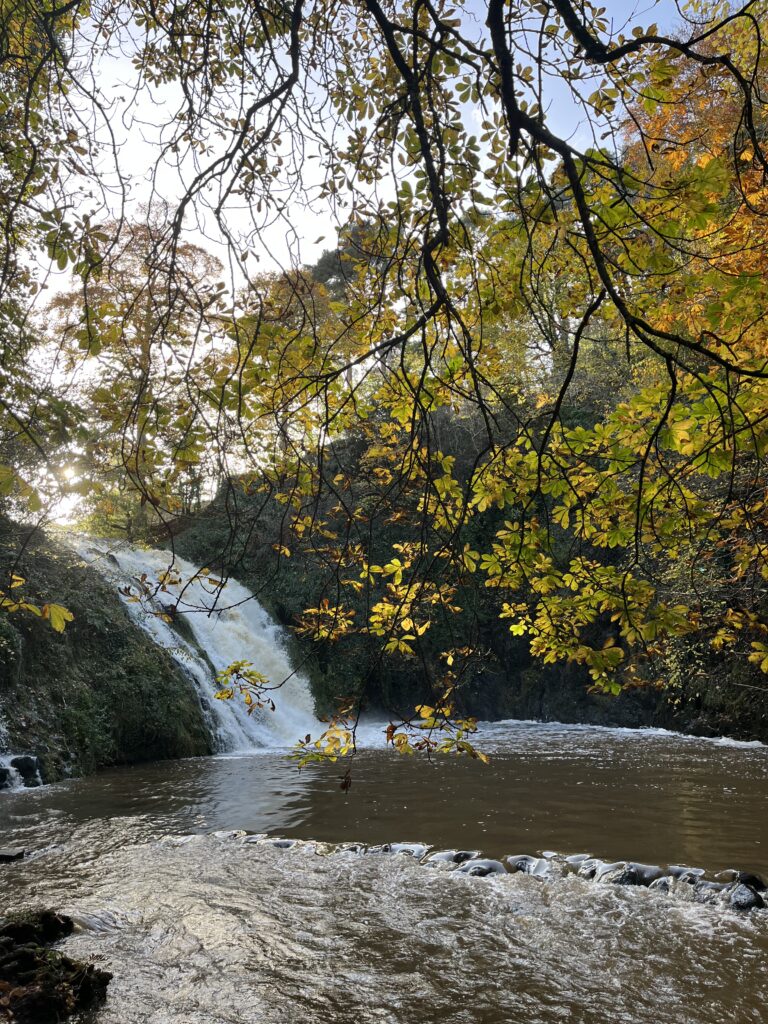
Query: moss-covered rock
{"x": 100, "y": 693}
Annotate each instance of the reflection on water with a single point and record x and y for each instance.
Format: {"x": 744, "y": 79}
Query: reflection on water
{"x": 642, "y": 795}
{"x": 220, "y": 931}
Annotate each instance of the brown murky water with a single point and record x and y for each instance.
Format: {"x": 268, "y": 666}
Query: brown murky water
{"x": 215, "y": 929}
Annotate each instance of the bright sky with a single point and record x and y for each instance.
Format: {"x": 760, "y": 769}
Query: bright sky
{"x": 305, "y": 232}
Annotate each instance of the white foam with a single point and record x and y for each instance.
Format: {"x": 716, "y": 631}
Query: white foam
{"x": 640, "y": 732}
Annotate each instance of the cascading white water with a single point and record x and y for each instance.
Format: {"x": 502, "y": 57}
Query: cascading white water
{"x": 228, "y": 625}
{"x": 10, "y": 777}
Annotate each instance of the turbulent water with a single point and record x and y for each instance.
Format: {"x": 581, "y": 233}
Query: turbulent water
{"x": 227, "y": 624}
{"x": 214, "y": 929}
{"x": 203, "y": 922}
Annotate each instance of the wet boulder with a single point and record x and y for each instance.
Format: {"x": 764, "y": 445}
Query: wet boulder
{"x": 40, "y": 985}
{"x": 747, "y": 877}
{"x": 594, "y": 869}
{"x": 744, "y": 897}
{"x": 588, "y": 868}
{"x": 663, "y": 884}
{"x": 282, "y": 844}
{"x": 8, "y": 856}
{"x": 610, "y": 872}
{"x": 538, "y": 867}
{"x": 575, "y": 860}
{"x": 753, "y": 881}
{"x": 226, "y": 835}
{"x": 685, "y": 874}
{"x": 7, "y": 777}
{"x": 254, "y": 837}
{"x": 40, "y": 927}
{"x": 462, "y": 856}
{"x": 708, "y": 892}
{"x": 175, "y": 841}
{"x": 638, "y": 874}
{"x": 520, "y": 862}
{"x": 28, "y": 768}
{"x": 358, "y": 848}
{"x": 481, "y": 868}
{"x": 416, "y": 850}
{"x": 452, "y": 856}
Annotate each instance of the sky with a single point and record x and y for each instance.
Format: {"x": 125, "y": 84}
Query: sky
{"x": 303, "y": 234}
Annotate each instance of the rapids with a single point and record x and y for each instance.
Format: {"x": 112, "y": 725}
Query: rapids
{"x": 200, "y": 926}
{"x": 203, "y": 922}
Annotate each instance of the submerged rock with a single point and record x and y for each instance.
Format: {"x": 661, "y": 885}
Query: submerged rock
{"x": 520, "y": 862}
{"x": 575, "y": 860}
{"x": 610, "y": 872}
{"x": 684, "y": 874}
{"x": 539, "y": 867}
{"x": 357, "y": 848}
{"x": 588, "y": 867}
{"x": 452, "y": 856}
{"x": 639, "y": 874}
{"x": 592, "y": 868}
{"x": 417, "y": 850}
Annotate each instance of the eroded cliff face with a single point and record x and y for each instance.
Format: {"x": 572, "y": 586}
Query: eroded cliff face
{"x": 100, "y": 693}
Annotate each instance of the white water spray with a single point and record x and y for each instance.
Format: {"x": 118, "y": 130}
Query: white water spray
{"x": 228, "y": 624}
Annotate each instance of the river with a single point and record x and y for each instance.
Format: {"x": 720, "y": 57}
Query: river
{"x": 200, "y": 928}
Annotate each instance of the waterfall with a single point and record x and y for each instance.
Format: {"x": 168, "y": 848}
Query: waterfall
{"x": 228, "y": 624}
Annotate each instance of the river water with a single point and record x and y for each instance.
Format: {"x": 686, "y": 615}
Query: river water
{"x": 201, "y": 928}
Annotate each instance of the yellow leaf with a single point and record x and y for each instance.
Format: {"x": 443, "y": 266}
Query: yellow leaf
{"x": 57, "y": 615}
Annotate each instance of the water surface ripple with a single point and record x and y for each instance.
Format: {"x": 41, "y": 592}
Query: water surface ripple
{"x": 210, "y": 929}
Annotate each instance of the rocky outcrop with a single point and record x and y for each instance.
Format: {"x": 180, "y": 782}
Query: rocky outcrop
{"x": 98, "y": 694}
{"x": 39, "y": 985}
